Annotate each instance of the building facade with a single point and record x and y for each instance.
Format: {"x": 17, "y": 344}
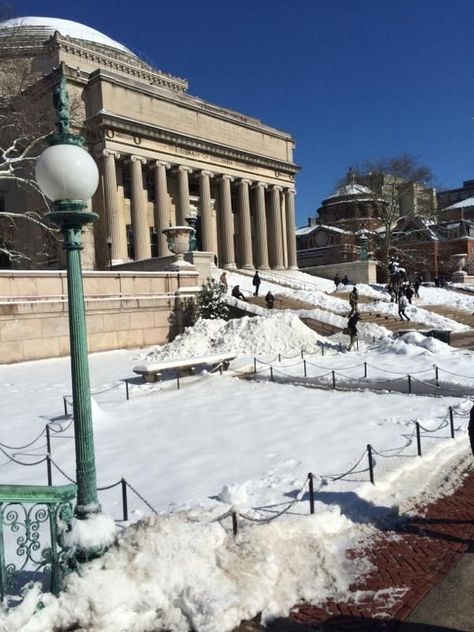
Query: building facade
{"x": 165, "y": 157}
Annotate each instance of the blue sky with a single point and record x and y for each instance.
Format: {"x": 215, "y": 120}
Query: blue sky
{"x": 350, "y": 80}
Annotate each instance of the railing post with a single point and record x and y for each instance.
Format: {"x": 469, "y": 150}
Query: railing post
{"x": 177, "y": 379}
{"x": 3, "y": 572}
{"x": 304, "y": 367}
{"x": 271, "y": 373}
{"x": 371, "y": 463}
{"x": 451, "y": 421}
{"x": 365, "y": 369}
{"x": 48, "y": 470}
{"x": 409, "y": 384}
{"x": 340, "y": 346}
{"x": 322, "y": 349}
{"x": 418, "y": 438}
{"x": 254, "y": 365}
{"x": 127, "y": 392}
{"x": 48, "y": 440}
{"x": 311, "y": 493}
{"x": 437, "y": 375}
{"x": 333, "y": 380}
{"x": 302, "y": 354}
{"x": 279, "y": 357}
{"x": 124, "y": 500}
{"x": 235, "y": 523}
{"x": 65, "y": 405}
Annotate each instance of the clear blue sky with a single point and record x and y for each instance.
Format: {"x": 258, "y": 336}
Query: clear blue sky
{"x": 349, "y": 80}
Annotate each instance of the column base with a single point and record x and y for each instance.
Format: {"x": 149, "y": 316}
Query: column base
{"x": 278, "y": 268}
{"x": 264, "y": 267}
{"x": 230, "y": 266}
{"x": 293, "y": 268}
{"x": 248, "y": 266}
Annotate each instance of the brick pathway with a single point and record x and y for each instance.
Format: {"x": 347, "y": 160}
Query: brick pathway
{"x": 415, "y": 561}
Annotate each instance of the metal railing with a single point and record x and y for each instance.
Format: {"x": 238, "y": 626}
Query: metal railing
{"x": 29, "y": 513}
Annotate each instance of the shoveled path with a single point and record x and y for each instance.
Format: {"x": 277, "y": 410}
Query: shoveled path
{"x": 434, "y": 546}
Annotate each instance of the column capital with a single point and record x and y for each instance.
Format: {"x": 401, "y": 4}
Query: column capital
{"x": 135, "y": 158}
{"x": 111, "y": 152}
{"x": 182, "y": 168}
{"x": 260, "y": 185}
{"x": 245, "y": 181}
{"x": 290, "y": 190}
{"x": 160, "y": 163}
{"x": 206, "y": 173}
{"x": 276, "y": 187}
{"x": 224, "y": 176}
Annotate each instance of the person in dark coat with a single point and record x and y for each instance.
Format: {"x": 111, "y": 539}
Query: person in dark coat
{"x": 353, "y": 301}
{"x": 470, "y": 429}
{"x": 345, "y": 280}
{"x": 352, "y": 327}
{"x": 337, "y": 281}
{"x": 269, "y": 300}
{"x": 416, "y": 287}
{"x": 236, "y": 293}
{"x": 409, "y": 293}
{"x": 256, "y": 283}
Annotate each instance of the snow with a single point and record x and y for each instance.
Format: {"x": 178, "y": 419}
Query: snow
{"x": 65, "y": 27}
{"x": 97, "y": 531}
{"x": 223, "y": 443}
{"x": 462, "y": 204}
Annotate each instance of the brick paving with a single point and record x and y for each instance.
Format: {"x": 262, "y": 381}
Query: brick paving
{"x": 413, "y": 560}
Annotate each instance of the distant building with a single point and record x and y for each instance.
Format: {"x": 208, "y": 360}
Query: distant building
{"x": 453, "y": 196}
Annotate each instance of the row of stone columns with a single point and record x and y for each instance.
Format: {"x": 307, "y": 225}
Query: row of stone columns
{"x": 268, "y": 238}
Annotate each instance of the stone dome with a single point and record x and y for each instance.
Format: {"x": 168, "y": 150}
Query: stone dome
{"x": 34, "y": 27}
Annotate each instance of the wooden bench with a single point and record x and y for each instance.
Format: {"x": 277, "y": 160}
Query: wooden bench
{"x": 151, "y": 371}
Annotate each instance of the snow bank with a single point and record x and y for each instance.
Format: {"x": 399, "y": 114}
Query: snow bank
{"x": 174, "y": 574}
{"x": 279, "y": 333}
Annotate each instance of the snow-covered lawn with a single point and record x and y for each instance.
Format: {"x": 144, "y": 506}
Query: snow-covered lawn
{"x": 223, "y": 442}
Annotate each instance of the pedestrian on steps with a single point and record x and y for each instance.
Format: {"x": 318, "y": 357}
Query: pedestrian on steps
{"x": 470, "y": 429}
{"x": 256, "y": 283}
{"x": 402, "y": 305}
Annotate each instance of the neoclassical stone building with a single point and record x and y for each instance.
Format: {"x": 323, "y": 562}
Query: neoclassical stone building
{"x": 163, "y": 154}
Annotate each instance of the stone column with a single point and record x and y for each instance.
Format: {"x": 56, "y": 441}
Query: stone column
{"x": 141, "y": 229}
{"x": 245, "y": 226}
{"x": 261, "y": 227}
{"x": 115, "y": 220}
{"x": 227, "y": 223}
{"x": 290, "y": 229}
{"x": 161, "y": 207}
{"x": 275, "y": 232}
{"x": 183, "y": 194}
{"x": 205, "y": 207}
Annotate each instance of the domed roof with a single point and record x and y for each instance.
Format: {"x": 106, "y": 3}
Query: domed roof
{"x": 351, "y": 189}
{"x": 65, "y": 27}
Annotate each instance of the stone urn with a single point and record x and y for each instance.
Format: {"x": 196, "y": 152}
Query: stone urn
{"x": 459, "y": 274}
{"x": 178, "y": 243}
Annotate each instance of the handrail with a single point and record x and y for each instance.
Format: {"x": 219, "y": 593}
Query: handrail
{"x": 37, "y": 493}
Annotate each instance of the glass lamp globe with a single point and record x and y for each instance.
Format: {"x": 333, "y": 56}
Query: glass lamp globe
{"x": 67, "y": 172}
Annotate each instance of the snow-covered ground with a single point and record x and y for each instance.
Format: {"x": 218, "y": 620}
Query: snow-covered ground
{"x": 221, "y": 442}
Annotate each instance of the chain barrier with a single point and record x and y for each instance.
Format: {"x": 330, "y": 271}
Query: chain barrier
{"x": 13, "y": 460}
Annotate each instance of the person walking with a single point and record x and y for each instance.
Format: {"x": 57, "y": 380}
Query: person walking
{"x": 353, "y": 301}
{"x": 402, "y": 305}
{"x": 352, "y": 329}
{"x": 409, "y": 293}
{"x": 337, "y": 281}
{"x": 256, "y": 283}
{"x": 269, "y": 300}
{"x": 416, "y": 287}
{"x": 223, "y": 281}
{"x": 345, "y": 280}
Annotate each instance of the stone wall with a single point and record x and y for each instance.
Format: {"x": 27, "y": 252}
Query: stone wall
{"x": 357, "y": 271}
{"x": 124, "y": 310}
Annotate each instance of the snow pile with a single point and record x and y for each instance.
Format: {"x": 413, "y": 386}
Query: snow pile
{"x": 175, "y": 574}
{"x": 97, "y": 531}
{"x": 411, "y": 342}
{"x": 282, "y": 332}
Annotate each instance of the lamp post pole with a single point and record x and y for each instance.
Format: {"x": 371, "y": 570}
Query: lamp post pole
{"x": 69, "y": 192}
{"x": 109, "y": 247}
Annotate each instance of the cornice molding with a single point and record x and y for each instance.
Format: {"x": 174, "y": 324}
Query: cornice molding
{"x": 108, "y": 120}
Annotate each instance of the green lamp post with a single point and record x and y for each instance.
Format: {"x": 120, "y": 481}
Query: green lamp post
{"x": 68, "y": 176}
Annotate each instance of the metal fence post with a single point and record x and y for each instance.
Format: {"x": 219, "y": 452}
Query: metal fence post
{"x": 48, "y": 439}
{"x": 409, "y": 384}
{"x": 124, "y": 500}
{"x": 177, "y": 379}
{"x": 65, "y": 405}
{"x": 322, "y": 349}
{"x": 235, "y": 523}
{"x": 437, "y": 375}
{"x": 254, "y": 365}
{"x": 371, "y": 463}
{"x": 304, "y": 367}
{"x": 418, "y": 438}
{"x": 451, "y": 421}
{"x": 271, "y": 373}
{"x": 365, "y": 369}
{"x": 333, "y": 379}
{"x": 302, "y": 354}
{"x": 127, "y": 392}
{"x": 311, "y": 493}
{"x": 48, "y": 470}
